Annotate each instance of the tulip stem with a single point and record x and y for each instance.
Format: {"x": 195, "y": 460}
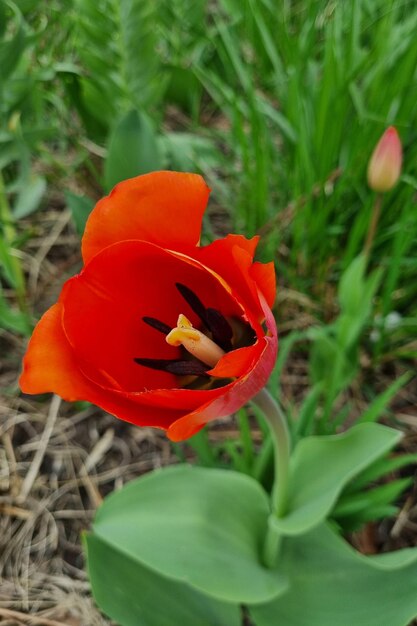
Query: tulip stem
{"x": 282, "y": 449}
{"x": 376, "y": 212}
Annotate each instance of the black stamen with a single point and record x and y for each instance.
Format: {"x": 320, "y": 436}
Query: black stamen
{"x": 152, "y": 321}
{"x": 178, "y": 367}
{"x": 194, "y": 301}
{"x": 212, "y": 318}
{"x": 220, "y": 329}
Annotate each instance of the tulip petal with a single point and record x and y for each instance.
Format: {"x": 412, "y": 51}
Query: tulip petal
{"x": 232, "y": 259}
{"x": 264, "y": 276}
{"x": 50, "y": 365}
{"x": 165, "y": 208}
{"x": 236, "y": 394}
{"x": 105, "y": 304}
{"x": 384, "y": 167}
{"x": 237, "y": 362}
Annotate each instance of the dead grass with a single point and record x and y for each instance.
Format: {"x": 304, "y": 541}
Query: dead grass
{"x": 55, "y": 467}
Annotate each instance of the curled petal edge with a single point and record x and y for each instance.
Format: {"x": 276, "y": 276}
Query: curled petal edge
{"x": 237, "y": 394}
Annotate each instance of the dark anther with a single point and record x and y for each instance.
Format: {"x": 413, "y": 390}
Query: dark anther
{"x": 216, "y": 323}
{"x": 175, "y": 366}
{"x": 152, "y": 321}
{"x": 220, "y": 329}
{"x": 194, "y": 302}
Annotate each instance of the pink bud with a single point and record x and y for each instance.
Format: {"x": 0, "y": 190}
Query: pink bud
{"x": 384, "y": 167}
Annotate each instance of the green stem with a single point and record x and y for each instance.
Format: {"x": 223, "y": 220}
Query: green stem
{"x": 376, "y": 213}
{"x": 282, "y": 447}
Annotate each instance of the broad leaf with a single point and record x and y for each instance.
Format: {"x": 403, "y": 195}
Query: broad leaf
{"x": 351, "y": 286}
{"x": 133, "y": 149}
{"x": 81, "y": 207}
{"x": 31, "y": 192}
{"x": 322, "y": 466}
{"x": 134, "y": 595}
{"x": 333, "y": 585}
{"x": 205, "y": 527}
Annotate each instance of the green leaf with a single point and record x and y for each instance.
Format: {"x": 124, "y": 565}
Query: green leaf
{"x": 134, "y": 595}
{"x": 307, "y": 412}
{"x": 329, "y": 363}
{"x": 355, "y": 295}
{"x": 183, "y": 88}
{"x": 350, "y": 293}
{"x": 7, "y": 266}
{"x": 382, "y": 495}
{"x": 12, "y": 47}
{"x": 333, "y": 585}
{"x": 322, "y": 466}
{"x": 81, "y": 207}
{"x": 12, "y": 319}
{"x": 378, "y": 406}
{"x": 133, "y": 149}
{"x": 381, "y": 467}
{"x": 30, "y": 196}
{"x": 205, "y": 527}
{"x": 184, "y": 151}
{"x": 372, "y": 513}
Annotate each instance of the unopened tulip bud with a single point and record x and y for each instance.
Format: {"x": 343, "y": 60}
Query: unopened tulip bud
{"x": 384, "y": 167}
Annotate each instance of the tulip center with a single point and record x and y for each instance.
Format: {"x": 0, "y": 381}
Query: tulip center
{"x": 201, "y": 350}
{"x": 195, "y": 342}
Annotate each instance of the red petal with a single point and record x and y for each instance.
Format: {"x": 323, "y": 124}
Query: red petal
{"x": 236, "y": 394}
{"x": 232, "y": 259}
{"x": 238, "y": 362}
{"x": 165, "y": 208}
{"x": 264, "y": 276}
{"x": 50, "y": 364}
{"x": 105, "y": 304}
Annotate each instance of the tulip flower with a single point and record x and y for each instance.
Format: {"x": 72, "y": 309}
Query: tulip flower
{"x": 156, "y": 329}
{"x": 384, "y": 167}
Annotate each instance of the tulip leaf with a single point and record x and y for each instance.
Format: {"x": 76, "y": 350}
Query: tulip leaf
{"x": 204, "y": 527}
{"x": 331, "y": 583}
{"x": 30, "y": 194}
{"x": 81, "y": 207}
{"x": 134, "y": 595}
{"x": 322, "y": 466}
{"x": 133, "y": 149}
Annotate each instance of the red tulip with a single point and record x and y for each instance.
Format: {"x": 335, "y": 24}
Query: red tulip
{"x": 384, "y": 167}
{"x": 155, "y": 329}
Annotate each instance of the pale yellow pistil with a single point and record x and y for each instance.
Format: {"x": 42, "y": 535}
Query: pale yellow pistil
{"x": 195, "y": 342}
